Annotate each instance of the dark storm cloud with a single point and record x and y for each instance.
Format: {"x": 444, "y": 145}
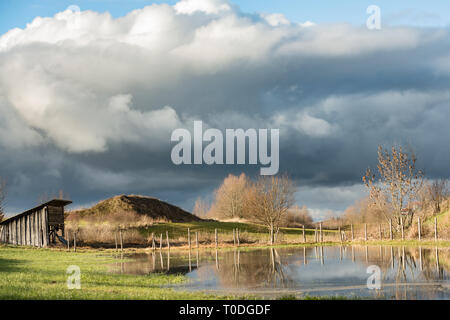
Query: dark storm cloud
{"x": 90, "y": 110}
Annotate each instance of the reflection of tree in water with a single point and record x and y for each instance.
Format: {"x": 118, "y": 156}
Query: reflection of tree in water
{"x": 160, "y": 261}
{"x": 259, "y": 268}
{"x": 405, "y": 265}
{"x": 272, "y": 268}
{"x": 431, "y": 262}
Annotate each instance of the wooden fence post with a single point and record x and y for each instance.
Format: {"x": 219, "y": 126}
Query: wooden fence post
{"x": 435, "y": 229}
{"x": 353, "y": 235}
{"x": 381, "y": 235}
{"x": 196, "y": 239}
{"x": 160, "y": 241}
{"x": 215, "y": 237}
{"x": 304, "y": 236}
{"x": 115, "y": 239}
{"x": 320, "y": 234}
{"x": 68, "y": 240}
{"x": 237, "y": 237}
{"x": 189, "y": 238}
{"x": 121, "y": 240}
{"x": 315, "y": 234}
{"x": 401, "y": 226}
{"x": 365, "y": 231}
{"x": 419, "y": 228}
{"x": 75, "y": 242}
{"x": 167, "y": 238}
{"x": 340, "y": 234}
{"x": 390, "y": 230}
{"x": 153, "y": 241}
{"x": 234, "y": 237}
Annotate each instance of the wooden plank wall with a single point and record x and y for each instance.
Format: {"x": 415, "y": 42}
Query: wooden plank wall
{"x": 55, "y": 215}
{"x": 30, "y": 229}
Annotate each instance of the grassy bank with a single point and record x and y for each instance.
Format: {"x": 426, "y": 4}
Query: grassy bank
{"x": 248, "y": 232}
{"x": 410, "y": 243}
{"x": 180, "y": 229}
{"x": 30, "y": 273}
{"x": 105, "y": 234}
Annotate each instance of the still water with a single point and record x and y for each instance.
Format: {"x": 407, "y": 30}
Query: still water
{"x": 406, "y": 272}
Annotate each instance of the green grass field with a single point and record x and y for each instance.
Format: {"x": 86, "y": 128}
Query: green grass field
{"x": 208, "y": 227}
{"x": 36, "y": 273}
{"x": 31, "y": 273}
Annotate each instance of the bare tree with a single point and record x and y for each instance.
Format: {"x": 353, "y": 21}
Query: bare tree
{"x": 201, "y": 208}
{"x": 397, "y": 184}
{"x": 45, "y": 196}
{"x": 363, "y": 211}
{"x": 2, "y": 198}
{"x": 268, "y": 201}
{"x": 298, "y": 216}
{"x": 230, "y": 197}
{"x": 438, "y": 192}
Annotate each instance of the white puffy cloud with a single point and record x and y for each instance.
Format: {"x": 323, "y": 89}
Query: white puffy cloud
{"x": 275, "y": 19}
{"x": 206, "y": 6}
{"x": 305, "y": 123}
{"x": 342, "y": 39}
{"x": 14, "y": 132}
{"x": 325, "y": 199}
{"x": 77, "y": 119}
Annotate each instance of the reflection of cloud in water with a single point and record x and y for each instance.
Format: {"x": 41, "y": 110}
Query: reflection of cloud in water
{"x": 314, "y": 272}
{"x": 204, "y": 274}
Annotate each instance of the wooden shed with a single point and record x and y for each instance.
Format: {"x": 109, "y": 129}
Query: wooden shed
{"x": 35, "y": 227}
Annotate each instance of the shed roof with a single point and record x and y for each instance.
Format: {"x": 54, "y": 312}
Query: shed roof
{"x": 54, "y": 202}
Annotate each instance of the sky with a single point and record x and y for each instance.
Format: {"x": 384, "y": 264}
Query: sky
{"x": 89, "y": 99}
{"x": 17, "y": 13}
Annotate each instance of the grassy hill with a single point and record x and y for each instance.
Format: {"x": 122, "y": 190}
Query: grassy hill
{"x": 141, "y": 218}
{"x": 443, "y": 220}
{"x": 134, "y": 205}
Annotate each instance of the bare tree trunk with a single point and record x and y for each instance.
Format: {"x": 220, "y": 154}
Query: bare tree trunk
{"x": 271, "y": 234}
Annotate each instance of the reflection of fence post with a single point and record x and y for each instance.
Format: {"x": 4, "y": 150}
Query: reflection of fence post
{"x": 365, "y": 231}
{"x": 418, "y": 228}
{"x": 390, "y": 229}
{"x": 353, "y": 235}
{"x": 437, "y": 261}
{"x": 167, "y": 238}
{"x": 217, "y": 260}
{"x": 435, "y": 229}
{"x": 304, "y": 236}
{"x": 189, "y": 238}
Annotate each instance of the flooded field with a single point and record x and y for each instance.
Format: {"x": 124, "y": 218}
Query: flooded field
{"x": 377, "y": 272}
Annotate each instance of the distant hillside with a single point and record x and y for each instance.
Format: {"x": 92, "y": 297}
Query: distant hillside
{"x": 141, "y": 205}
{"x": 443, "y": 220}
